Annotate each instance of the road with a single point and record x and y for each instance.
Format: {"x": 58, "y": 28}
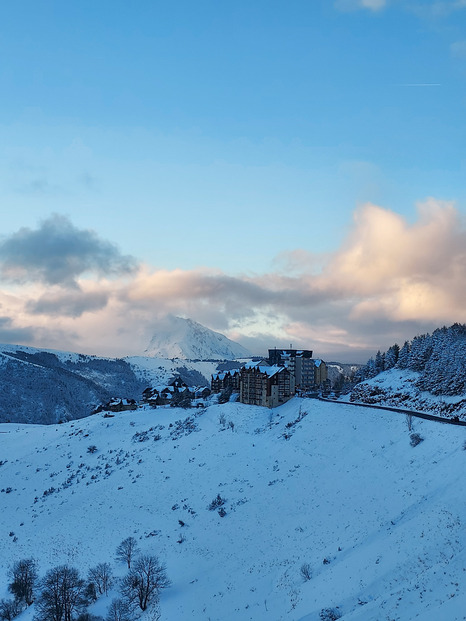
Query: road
{"x": 438, "y": 419}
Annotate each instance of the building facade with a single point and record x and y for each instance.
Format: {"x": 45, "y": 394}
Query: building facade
{"x": 226, "y": 379}
{"x": 268, "y": 386}
{"x": 309, "y": 372}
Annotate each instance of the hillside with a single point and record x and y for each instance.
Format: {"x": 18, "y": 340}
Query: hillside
{"x": 380, "y": 523}
{"x": 401, "y": 388}
{"x": 45, "y": 386}
{"x": 40, "y": 386}
{"x": 186, "y": 339}
{"x": 427, "y": 373}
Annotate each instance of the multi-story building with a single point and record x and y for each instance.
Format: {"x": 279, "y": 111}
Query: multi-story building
{"x": 269, "y": 386}
{"x": 226, "y": 379}
{"x": 308, "y": 372}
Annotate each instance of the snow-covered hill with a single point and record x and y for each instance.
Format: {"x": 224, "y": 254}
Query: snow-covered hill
{"x": 47, "y": 386}
{"x": 184, "y": 338}
{"x": 400, "y": 388}
{"x": 380, "y": 523}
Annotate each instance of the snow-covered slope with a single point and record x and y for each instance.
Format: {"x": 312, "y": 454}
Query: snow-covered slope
{"x": 381, "y": 524}
{"x": 399, "y": 388}
{"x": 47, "y": 386}
{"x": 44, "y": 386}
{"x": 184, "y": 338}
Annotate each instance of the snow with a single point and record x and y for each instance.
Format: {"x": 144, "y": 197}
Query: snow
{"x": 346, "y": 487}
{"x": 187, "y": 339}
{"x": 398, "y": 387}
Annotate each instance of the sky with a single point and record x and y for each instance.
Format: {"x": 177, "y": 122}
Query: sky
{"x": 282, "y": 172}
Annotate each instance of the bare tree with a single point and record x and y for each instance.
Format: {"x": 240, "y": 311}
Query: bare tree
{"x": 144, "y": 582}
{"x": 62, "y": 595}
{"x": 119, "y": 610}
{"x": 127, "y": 550}
{"x": 23, "y": 576}
{"x": 101, "y": 575}
{"x": 409, "y": 421}
{"x": 306, "y": 571}
{"x": 9, "y": 609}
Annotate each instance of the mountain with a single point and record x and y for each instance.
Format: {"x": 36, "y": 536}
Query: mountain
{"x": 338, "y": 490}
{"x": 40, "y": 386}
{"x": 47, "y": 387}
{"x": 184, "y": 338}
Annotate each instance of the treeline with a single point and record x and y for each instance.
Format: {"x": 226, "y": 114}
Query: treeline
{"x": 439, "y": 358}
{"x": 62, "y": 594}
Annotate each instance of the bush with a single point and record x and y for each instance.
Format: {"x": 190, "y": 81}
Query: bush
{"x": 306, "y": 571}
{"x": 415, "y": 439}
{"x": 329, "y": 614}
{"x": 217, "y": 502}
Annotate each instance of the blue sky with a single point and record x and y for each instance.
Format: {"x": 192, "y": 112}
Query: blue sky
{"x": 234, "y": 146}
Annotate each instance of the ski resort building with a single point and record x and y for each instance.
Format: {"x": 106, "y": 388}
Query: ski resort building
{"x": 226, "y": 379}
{"x": 308, "y": 372}
{"x": 268, "y": 386}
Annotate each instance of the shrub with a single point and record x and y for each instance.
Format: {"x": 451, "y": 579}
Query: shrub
{"x": 415, "y": 439}
{"x": 306, "y": 571}
{"x": 329, "y": 614}
{"x": 217, "y": 502}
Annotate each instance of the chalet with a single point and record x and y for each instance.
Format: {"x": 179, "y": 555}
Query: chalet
{"x": 178, "y": 384}
{"x": 266, "y": 385}
{"x": 117, "y": 405}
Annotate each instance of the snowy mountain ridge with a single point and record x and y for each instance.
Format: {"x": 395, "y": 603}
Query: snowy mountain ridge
{"x": 379, "y": 524}
{"x": 184, "y": 338}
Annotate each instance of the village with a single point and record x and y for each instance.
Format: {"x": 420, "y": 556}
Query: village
{"x": 267, "y": 382}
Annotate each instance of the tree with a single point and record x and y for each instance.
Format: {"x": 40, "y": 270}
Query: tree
{"x": 9, "y": 609}
{"x": 24, "y": 578}
{"x": 391, "y": 357}
{"x": 403, "y": 356}
{"x": 379, "y": 362}
{"x": 101, "y": 575}
{"x": 144, "y": 582}
{"x": 62, "y": 595}
{"x": 119, "y": 610}
{"x": 127, "y": 550}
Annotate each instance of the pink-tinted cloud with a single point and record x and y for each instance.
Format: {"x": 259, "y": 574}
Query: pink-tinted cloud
{"x": 389, "y": 280}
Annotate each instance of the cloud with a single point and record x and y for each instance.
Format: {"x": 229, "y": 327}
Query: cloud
{"x": 438, "y": 9}
{"x": 458, "y": 49}
{"x": 354, "y": 5}
{"x": 69, "y": 303}
{"x": 389, "y": 280}
{"x": 11, "y": 334}
{"x": 58, "y": 253}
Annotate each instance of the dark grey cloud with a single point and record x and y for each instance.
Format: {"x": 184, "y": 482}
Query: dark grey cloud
{"x": 57, "y": 253}
{"x": 69, "y": 304}
{"x": 11, "y": 334}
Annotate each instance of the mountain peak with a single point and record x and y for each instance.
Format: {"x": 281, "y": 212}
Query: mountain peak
{"x": 177, "y": 337}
